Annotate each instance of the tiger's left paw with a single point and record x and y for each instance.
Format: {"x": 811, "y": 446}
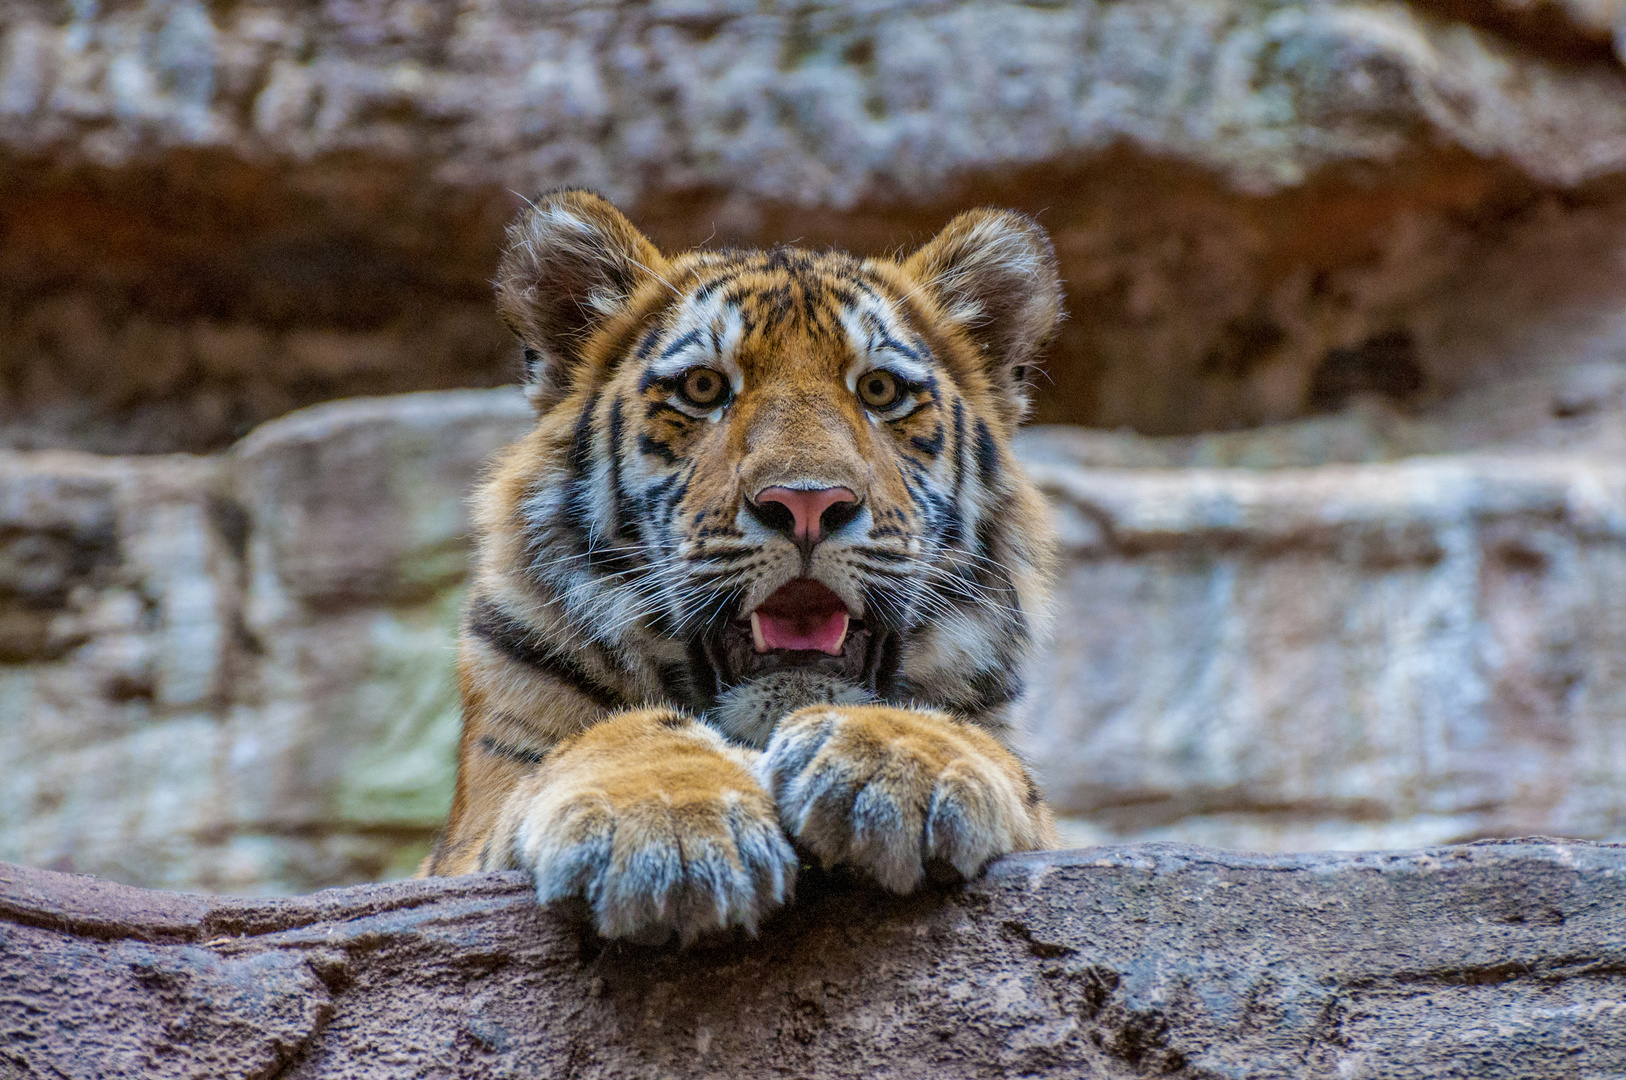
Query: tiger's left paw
{"x": 886, "y": 790}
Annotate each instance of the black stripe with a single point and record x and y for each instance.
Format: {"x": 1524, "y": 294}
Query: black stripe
{"x": 953, "y": 525}
{"x": 810, "y": 305}
{"x": 884, "y": 554}
{"x": 680, "y": 344}
{"x": 724, "y": 558}
{"x": 987, "y": 455}
{"x": 581, "y": 439}
{"x": 916, "y": 497}
{"x": 932, "y": 446}
{"x": 992, "y": 689}
{"x": 888, "y": 572}
{"x": 646, "y": 346}
{"x": 702, "y": 684}
{"x": 655, "y": 448}
{"x": 959, "y": 445}
{"x": 889, "y": 342}
{"x": 705, "y": 291}
{"x": 657, "y": 408}
{"x": 626, "y": 522}
{"x": 657, "y": 491}
{"x": 514, "y": 640}
{"x": 576, "y": 512}
{"x": 881, "y": 665}
{"x": 497, "y": 748}
{"x": 988, "y": 567}
{"x": 674, "y": 494}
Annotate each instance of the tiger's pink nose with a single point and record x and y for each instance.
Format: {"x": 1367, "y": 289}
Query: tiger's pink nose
{"x": 809, "y": 511}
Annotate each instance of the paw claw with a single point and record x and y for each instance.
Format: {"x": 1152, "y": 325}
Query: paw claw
{"x": 887, "y": 790}
{"x": 648, "y": 870}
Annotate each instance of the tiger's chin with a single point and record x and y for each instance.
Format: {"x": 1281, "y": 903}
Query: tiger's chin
{"x": 750, "y": 711}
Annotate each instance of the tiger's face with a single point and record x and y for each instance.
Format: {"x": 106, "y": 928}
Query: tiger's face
{"x": 785, "y": 470}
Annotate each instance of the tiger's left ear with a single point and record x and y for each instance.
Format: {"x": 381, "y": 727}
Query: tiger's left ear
{"x": 993, "y": 272}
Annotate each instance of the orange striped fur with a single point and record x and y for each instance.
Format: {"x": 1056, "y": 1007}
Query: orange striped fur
{"x": 633, "y": 735}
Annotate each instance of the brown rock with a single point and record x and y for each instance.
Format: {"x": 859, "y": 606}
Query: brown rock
{"x": 214, "y": 215}
{"x": 1491, "y": 960}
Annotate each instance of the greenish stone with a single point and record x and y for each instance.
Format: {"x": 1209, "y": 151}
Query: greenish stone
{"x": 403, "y": 763}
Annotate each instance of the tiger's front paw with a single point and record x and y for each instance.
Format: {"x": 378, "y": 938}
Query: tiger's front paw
{"x": 656, "y": 827}
{"x": 886, "y": 789}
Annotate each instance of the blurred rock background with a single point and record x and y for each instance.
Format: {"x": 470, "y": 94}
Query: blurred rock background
{"x": 1336, "y": 430}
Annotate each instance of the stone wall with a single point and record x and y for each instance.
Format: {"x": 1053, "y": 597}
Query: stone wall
{"x": 217, "y": 213}
{"x": 1347, "y": 317}
{"x": 234, "y": 673}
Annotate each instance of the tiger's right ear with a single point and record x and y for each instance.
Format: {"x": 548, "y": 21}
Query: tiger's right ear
{"x": 572, "y": 261}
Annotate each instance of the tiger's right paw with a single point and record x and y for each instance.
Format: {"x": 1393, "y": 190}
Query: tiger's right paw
{"x": 651, "y": 822}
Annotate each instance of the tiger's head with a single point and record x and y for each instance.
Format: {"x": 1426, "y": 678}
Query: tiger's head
{"x": 761, "y": 479}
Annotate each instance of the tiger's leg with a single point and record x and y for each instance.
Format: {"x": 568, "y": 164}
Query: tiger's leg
{"x": 654, "y": 820}
{"x": 886, "y": 790}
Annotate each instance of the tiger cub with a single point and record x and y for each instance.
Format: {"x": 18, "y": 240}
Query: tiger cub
{"x": 765, "y": 572}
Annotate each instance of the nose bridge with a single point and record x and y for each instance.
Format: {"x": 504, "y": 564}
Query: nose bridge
{"x": 802, "y": 441}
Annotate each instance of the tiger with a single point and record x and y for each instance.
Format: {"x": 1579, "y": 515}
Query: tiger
{"x": 764, "y": 584}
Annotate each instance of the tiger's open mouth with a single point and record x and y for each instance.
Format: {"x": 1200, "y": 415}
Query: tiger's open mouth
{"x": 801, "y": 616}
{"x": 802, "y": 625}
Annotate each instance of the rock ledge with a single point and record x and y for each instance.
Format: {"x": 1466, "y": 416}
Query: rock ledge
{"x": 1497, "y": 959}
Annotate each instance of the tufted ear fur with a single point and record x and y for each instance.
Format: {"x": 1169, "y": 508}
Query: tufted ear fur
{"x": 572, "y": 261}
{"x": 994, "y": 273}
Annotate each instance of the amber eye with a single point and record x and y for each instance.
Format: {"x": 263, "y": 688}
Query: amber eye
{"x": 704, "y": 387}
{"x": 879, "y": 389}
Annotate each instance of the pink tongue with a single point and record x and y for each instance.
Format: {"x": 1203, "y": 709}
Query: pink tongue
{"x": 821, "y": 631}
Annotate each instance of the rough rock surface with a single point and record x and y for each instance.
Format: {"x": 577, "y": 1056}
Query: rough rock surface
{"x": 1349, "y": 656}
{"x": 1492, "y": 961}
{"x": 218, "y": 213}
{"x": 824, "y": 104}
{"x": 235, "y": 672}
{"x": 1404, "y": 221}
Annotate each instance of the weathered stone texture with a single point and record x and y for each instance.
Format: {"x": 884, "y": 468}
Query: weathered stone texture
{"x": 829, "y": 104}
{"x": 235, "y": 672}
{"x": 1348, "y": 656}
{"x": 219, "y": 213}
{"x": 1492, "y": 961}
{"x": 1406, "y": 222}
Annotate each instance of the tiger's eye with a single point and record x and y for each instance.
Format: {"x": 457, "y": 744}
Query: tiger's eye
{"x": 704, "y": 387}
{"x": 879, "y": 389}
